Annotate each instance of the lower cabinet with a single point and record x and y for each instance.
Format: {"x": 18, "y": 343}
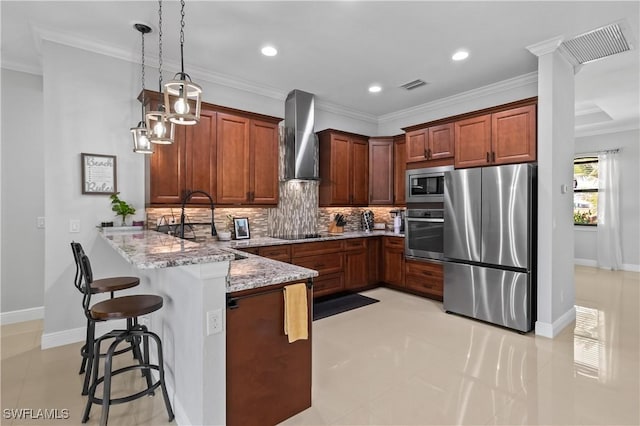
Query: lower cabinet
{"x": 356, "y": 263}
{"x": 326, "y": 257}
{"x": 393, "y": 263}
{"x": 425, "y": 277}
{"x": 268, "y": 378}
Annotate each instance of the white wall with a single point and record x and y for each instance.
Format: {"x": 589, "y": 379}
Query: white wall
{"x": 586, "y": 250}
{"x": 22, "y": 192}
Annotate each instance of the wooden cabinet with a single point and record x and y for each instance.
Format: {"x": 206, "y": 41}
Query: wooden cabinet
{"x": 281, "y": 252}
{"x": 356, "y": 263}
{"x": 375, "y": 260}
{"x": 502, "y": 137}
{"x": 425, "y": 278}
{"x": 268, "y": 379}
{"x": 187, "y": 164}
{"x": 344, "y": 169}
{"x": 431, "y": 143}
{"x": 381, "y": 176}
{"x": 399, "y": 170}
{"x": 326, "y": 257}
{"x": 247, "y": 170}
{"x": 393, "y": 261}
{"x": 231, "y": 154}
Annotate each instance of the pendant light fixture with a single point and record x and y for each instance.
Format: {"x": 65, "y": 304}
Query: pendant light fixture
{"x": 182, "y": 96}
{"x": 161, "y": 130}
{"x": 141, "y": 143}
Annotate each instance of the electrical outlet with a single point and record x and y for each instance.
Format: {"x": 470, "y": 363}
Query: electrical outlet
{"x": 214, "y": 322}
{"x": 74, "y": 225}
{"x": 40, "y": 222}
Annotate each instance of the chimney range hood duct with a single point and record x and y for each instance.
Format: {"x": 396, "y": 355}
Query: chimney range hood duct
{"x": 300, "y": 141}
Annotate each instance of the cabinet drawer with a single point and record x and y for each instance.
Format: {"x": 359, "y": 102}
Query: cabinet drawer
{"x": 252, "y": 250}
{"x": 355, "y": 244}
{"x": 328, "y": 284}
{"x": 424, "y": 269}
{"x": 394, "y": 242}
{"x": 324, "y": 263}
{"x": 321, "y": 247}
{"x": 281, "y": 253}
{"x": 425, "y": 277}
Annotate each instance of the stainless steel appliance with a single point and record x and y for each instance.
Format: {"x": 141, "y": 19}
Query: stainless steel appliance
{"x": 424, "y": 234}
{"x": 489, "y": 244}
{"x": 301, "y": 156}
{"x": 426, "y": 185}
{"x": 401, "y": 215}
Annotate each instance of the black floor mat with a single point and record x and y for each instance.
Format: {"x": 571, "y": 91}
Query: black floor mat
{"x": 327, "y": 307}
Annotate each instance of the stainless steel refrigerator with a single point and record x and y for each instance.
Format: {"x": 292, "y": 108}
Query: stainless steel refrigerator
{"x": 489, "y": 244}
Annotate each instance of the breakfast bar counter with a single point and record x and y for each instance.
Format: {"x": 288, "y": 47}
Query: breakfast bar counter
{"x": 194, "y": 279}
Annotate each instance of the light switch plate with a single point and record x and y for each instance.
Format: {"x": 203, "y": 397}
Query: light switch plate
{"x": 40, "y": 222}
{"x": 74, "y": 225}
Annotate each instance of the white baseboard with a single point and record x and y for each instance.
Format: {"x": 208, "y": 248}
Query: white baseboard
{"x": 594, "y": 263}
{"x": 585, "y": 262}
{"x": 545, "y": 329}
{"x": 22, "y": 315}
{"x": 75, "y": 335}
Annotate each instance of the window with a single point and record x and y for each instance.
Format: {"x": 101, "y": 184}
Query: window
{"x": 585, "y": 191}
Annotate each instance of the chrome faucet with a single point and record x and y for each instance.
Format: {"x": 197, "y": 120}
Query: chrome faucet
{"x": 187, "y": 197}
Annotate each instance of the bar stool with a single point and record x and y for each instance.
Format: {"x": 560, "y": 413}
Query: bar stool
{"x": 103, "y": 285}
{"x": 126, "y": 307}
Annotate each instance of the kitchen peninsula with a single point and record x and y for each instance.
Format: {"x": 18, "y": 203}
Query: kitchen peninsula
{"x": 195, "y": 280}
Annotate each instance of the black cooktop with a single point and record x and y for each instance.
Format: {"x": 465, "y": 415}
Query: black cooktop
{"x": 298, "y": 236}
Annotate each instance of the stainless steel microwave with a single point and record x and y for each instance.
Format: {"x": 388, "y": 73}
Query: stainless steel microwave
{"x": 426, "y": 185}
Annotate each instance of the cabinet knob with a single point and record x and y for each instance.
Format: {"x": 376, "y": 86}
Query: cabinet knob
{"x": 429, "y": 153}
{"x": 488, "y": 157}
{"x": 493, "y": 156}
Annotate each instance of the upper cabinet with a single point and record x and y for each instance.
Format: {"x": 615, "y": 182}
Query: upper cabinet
{"x": 430, "y": 143}
{"x": 187, "y": 164}
{"x": 501, "y": 137}
{"x": 381, "y": 178}
{"x": 344, "y": 169}
{"x": 231, "y": 154}
{"x": 247, "y": 161}
{"x": 399, "y": 170}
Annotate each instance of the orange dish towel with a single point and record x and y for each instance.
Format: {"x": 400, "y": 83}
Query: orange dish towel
{"x": 296, "y": 321}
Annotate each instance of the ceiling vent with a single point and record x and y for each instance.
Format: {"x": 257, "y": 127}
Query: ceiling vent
{"x": 599, "y": 43}
{"x": 414, "y": 84}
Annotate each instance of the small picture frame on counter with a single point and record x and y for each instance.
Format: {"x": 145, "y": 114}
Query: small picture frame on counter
{"x": 241, "y": 228}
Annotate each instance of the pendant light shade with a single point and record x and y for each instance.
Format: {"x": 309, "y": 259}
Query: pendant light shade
{"x": 159, "y": 129}
{"x": 182, "y": 96}
{"x": 141, "y": 143}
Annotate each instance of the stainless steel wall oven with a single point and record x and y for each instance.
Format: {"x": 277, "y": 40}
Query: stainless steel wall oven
{"x": 424, "y": 233}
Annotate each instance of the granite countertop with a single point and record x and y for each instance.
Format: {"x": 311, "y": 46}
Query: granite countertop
{"x": 153, "y": 250}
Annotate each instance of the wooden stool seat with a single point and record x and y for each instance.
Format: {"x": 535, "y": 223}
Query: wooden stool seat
{"x": 126, "y": 307}
{"x": 108, "y": 285}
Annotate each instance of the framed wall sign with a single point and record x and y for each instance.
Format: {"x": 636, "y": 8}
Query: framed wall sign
{"x": 98, "y": 174}
{"x": 241, "y": 228}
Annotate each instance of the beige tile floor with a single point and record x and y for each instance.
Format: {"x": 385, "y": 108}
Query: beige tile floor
{"x": 404, "y": 361}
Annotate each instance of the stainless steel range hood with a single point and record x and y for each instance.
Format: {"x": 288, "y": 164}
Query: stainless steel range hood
{"x": 300, "y": 141}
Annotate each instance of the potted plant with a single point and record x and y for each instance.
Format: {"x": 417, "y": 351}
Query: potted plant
{"x": 122, "y": 208}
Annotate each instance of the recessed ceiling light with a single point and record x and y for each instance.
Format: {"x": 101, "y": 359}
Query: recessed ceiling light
{"x": 375, "y": 88}
{"x": 269, "y": 51}
{"x": 460, "y": 55}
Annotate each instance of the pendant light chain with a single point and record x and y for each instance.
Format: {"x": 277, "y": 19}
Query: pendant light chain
{"x": 160, "y": 44}
{"x": 182, "y": 36}
{"x": 143, "y": 75}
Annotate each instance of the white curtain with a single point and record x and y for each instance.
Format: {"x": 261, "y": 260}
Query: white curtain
{"x": 609, "y": 248}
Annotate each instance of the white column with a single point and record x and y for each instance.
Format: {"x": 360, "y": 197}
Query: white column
{"x": 556, "y": 287}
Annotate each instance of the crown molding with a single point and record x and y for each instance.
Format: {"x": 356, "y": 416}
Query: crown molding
{"x": 464, "y": 97}
{"x": 545, "y": 46}
{"x": 345, "y": 111}
{"x": 606, "y": 128}
{"x": 41, "y": 34}
{"x": 21, "y": 67}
